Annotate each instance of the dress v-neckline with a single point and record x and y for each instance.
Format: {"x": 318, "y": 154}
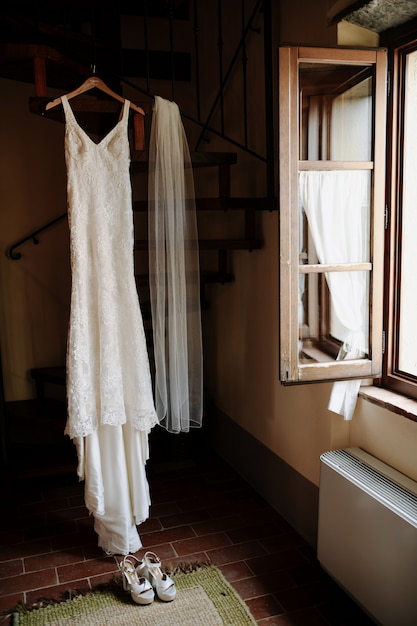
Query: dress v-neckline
{"x": 122, "y": 114}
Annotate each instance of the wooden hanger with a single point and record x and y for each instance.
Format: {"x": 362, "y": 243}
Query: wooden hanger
{"x": 91, "y": 83}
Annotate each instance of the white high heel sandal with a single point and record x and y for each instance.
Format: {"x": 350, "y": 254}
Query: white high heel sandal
{"x": 164, "y": 585}
{"x": 139, "y": 587}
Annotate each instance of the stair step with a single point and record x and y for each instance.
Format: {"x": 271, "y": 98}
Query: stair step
{"x": 223, "y": 204}
{"x": 140, "y": 159}
{"x": 214, "y": 244}
{"x": 37, "y": 421}
{"x": 54, "y": 376}
{"x": 48, "y": 408}
{"x": 216, "y": 277}
{"x": 142, "y": 280}
{"x": 17, "y": 62}
{"x": 33, "y": 469}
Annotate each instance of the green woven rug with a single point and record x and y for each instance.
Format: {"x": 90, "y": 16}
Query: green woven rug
{"x": 204, "y": 598}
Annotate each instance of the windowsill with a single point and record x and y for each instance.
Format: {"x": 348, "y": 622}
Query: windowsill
{"x": 391, "y": 401}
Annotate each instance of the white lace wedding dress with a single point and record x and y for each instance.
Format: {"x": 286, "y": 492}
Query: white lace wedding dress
{"x": 110, "y": 401}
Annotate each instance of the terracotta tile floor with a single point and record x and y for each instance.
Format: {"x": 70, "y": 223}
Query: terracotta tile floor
{"x": 201, "y": 511}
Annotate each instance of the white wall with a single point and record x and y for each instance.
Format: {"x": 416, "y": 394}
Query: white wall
{"x": 387, "y": 435}
{"x": 242, "y": 357}
{"x": 242, "y": 353}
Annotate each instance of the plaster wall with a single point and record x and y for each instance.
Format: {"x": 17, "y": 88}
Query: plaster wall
{"x": 242, "y": 354}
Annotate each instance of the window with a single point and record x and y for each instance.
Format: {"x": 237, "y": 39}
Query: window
{"x": 400, "y": 359}
{"x": 332, "y": 197}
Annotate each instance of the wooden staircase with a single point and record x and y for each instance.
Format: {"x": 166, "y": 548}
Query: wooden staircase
{"x": 33, "y": 429}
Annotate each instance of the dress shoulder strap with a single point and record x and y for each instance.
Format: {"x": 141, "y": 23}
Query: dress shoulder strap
{"x": 125, "y": 112}
{"x": 66, "y": 106}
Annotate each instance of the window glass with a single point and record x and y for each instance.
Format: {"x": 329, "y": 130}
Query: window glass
{"x": 335, "y": 220}
{"x": 335, "y": 125}
{"x": 336, "y": 112}
{"x": 407, "y": 345}
{"x": 351, "y": 122}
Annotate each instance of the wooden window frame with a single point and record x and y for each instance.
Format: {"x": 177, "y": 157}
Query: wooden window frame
{"x": 291, "y": 370}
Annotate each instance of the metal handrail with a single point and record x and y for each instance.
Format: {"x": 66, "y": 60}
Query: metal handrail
{"x": 224, "y": 81}
{"x": 11, "y": 251}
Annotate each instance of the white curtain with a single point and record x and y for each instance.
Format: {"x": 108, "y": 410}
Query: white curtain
{"x": 174, "y": 273}
{"x": 337, "y": 207}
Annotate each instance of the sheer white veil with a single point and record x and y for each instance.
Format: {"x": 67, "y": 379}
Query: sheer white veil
{"x": 174, "y": 273}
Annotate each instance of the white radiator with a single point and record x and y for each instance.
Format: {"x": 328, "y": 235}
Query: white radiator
{"x": 367, "y": 534}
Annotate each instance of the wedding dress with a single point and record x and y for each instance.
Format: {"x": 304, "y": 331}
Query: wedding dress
{"x": 110, "y": 401}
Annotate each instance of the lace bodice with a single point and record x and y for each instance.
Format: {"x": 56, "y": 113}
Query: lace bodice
{"x": 108, "y": 376}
